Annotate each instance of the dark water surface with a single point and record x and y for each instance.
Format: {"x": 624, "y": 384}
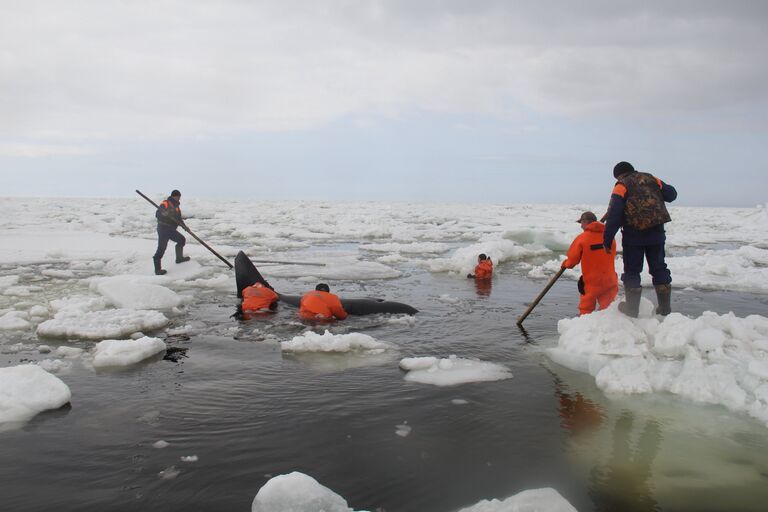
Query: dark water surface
{"x": 248, "y": 412}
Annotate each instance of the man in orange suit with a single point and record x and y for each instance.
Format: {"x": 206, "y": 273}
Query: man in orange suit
{"x": 321, "y": 304}
{"x": 600, "y": 284}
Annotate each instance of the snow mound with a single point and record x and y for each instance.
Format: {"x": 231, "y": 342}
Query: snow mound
{"x": 28, "y": 389}
{"x": 327, "y": 342}
{"x": 452, "y": 371}
{"x": 125, "y": 292}
{"x": 125, "y": 352}
{"x": 99, "y": 325}
{"x": 297, "y": 492}
{"x": 14, "y": 321}
{"x": 532, "y": 500}
{"x": 713, "y": 359}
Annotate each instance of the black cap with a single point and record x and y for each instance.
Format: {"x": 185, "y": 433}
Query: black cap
{"x": 175, "y": 193}
{"x": 482, "y": 257}
{"x": 589, "y": 216}
{"x": 622, "y": 168}
{"x": 322, "y": 287}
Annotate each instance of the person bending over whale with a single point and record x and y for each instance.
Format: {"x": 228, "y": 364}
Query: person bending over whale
{"x": 259, "y": 298}
{"x": 321, "y": 304}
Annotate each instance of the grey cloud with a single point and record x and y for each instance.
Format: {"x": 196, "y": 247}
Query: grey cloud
{"x": 102, "y": 69}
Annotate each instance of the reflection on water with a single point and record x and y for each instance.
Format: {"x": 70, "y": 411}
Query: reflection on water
{"x": 483, "y": 287}
{"x": 623, "y": 482}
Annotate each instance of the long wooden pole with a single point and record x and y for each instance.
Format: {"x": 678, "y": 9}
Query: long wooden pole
{"x": 185, "y": 228}
{"x": 541, "y": 296}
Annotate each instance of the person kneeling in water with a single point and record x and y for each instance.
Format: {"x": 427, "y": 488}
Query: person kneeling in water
{"x": 321, "y": 304}
{"x": 483, "y": 269}
{"x": 257, "y": 299}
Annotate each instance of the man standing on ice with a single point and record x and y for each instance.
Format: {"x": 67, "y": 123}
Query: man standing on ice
{"x": 598, "y": 282}
{"x": 168, "y": 220}
{"x": 637, "y": 206}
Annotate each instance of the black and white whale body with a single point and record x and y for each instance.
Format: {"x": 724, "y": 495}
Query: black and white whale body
{"x": 246, "y": 274}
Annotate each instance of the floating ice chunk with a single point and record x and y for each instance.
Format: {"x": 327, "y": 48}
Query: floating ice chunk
{"x": 38, "y": 311}
{"x": 169, "y": 473}
{"x": 59, "y": 274}
{"x": 459, "y": 401}
{"x": 452, "y": 370}
{"x": 533, "y": 500}
{"x": 55, "y": 365}
{"x": 403, "y": 430}
{"x": 310, "y": 341}
{"x": 69, "y": 352}
{"x": 715, "y": 359}
{"x": 26, "y": 390}
{"x": 113, "y": 323}
{"x": 78, "y": 304}
{"x": 125, "y": 352}
{"x": 124, "y": 292}
{"x": 7, "y": 281}
{"x": 188, "y": 458}
{"x": 161, "y": 444}
{"x": 14, "y": 321}
{"x": 299, "y": 493}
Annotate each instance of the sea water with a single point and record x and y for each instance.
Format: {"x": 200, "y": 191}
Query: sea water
{"x": 230, "y": 404}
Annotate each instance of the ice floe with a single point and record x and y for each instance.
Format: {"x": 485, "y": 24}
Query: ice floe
{"x": 27, "y": 390}
{"x": 297, "y": 492}
{"x": 452, "y": 370}
{"x": 125, "y": 352}
{"x": 311, "y": 341}
{"x": 713, "y": 358}
{"x": 99, "y": 325}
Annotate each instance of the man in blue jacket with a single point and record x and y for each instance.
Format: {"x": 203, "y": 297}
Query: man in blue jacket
{"x": 168, "y": 220}
{"x": 637, "y": 207}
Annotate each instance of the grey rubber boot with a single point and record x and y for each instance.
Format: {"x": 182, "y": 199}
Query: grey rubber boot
{"x": 664, "y": 296}
{"x": 158, "y": 271}
{"x": 630, "y": 306}
{"x": 180, "y": 258}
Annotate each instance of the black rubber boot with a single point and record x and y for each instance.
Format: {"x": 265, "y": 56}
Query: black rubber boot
{"x": 664, "y": 296}
{"x": 158, "y": 271}
{"x": 630, "y": 306}
{"x": 180, "y": 258}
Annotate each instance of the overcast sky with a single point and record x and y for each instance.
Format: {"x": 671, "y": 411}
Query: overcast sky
{"x": 470, "y": 100}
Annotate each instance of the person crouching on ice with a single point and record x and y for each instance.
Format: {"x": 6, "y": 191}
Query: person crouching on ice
{"x": 483, "y": 269}
{"x": 600, "y": 283}
{"x": 259, "y": 299}
{"x": 321, "y": 304}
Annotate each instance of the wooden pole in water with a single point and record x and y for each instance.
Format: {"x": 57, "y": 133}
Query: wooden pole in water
{"x": 541, "y": 296}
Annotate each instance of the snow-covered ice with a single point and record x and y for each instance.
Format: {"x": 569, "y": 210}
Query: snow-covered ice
{"x": 311, "y": 341}
{"x": 94, "y": 325}
{"x": 297, "y": 492}
{"x": 452, "y": 370}
{"x": 125, "y": 352}
{"x": 714, "y": 358}
{"x": 26, "y": 390}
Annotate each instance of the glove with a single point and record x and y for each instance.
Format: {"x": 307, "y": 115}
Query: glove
{"x": 580, "y": 286}
{"x": 607, "y": 248}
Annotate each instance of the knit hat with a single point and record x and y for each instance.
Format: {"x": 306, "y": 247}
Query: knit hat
{"x": 622, "y": 168}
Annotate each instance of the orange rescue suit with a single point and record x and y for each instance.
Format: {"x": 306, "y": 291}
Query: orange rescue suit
{"x": 484, "y": 269}
{"x": 258, "y": 297}
{"x": 323, "y": 305}
{"x": 600, "y": 282}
